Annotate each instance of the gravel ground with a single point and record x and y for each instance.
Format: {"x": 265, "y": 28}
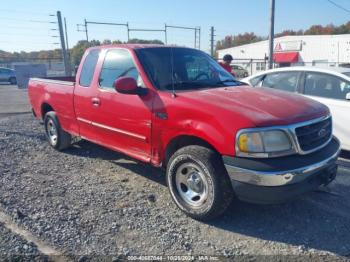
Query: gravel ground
{"x": 14, "y": 247}
{"x": 90, "y": 201}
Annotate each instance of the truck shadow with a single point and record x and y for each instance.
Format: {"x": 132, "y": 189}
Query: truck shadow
{"x": 319, "y": 220}
{"x": 84, "y": 148}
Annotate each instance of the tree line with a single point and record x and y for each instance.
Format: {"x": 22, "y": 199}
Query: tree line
{"x": 229, "y": 41}
{"x": 76, "y": 52}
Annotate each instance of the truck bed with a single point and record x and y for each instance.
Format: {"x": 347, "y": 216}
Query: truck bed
{"x": 59, "y": 79}
{"x": 58, "y": 93}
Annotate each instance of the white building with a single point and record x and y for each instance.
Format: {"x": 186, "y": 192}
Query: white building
{"x": 326, "y": 50}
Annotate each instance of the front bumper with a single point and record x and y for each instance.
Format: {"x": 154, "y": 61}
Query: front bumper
{"x": 275, "y": 180}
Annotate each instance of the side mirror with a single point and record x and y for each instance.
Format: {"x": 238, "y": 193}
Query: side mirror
{"x": 126, "y": 85}
{"x": 347, "y": 97}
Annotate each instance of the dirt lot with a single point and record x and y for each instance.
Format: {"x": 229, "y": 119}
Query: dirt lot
{"x": 89, "y": 203}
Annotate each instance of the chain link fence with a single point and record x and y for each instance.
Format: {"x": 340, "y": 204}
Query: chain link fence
{"x": 248, "y": 67}
{"x": 54, "y": 66}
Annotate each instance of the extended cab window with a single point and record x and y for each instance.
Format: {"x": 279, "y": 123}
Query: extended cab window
{"x": 88, "y": 69}
{"x": 117, "y": 63}
{"x": 324, "y": 85}
{"x": 286, "y": 81}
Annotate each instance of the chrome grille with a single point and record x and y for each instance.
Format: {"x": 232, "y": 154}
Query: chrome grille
{"x": 314, "y": 135}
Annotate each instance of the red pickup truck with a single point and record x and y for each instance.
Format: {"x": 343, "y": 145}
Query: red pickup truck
{"x": 176, "y": 108}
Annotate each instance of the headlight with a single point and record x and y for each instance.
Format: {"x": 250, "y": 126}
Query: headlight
{"x": 263, "y": 143}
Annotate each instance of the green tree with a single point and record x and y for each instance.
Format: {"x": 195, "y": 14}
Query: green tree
{"x": 78, "y": 50}
{"x": 237, "y": 40}
{"x": 107, "y": 42}
{"x": 141, "y": 41}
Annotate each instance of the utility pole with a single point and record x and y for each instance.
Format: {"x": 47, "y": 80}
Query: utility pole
{"x": 67, "y": 68}
{"x": 66, "y": 34}
{"x": 195, "y": 38}
{"x": 86, "y": 30}
{"x": 199, "y": 38}
{"x": 127, "y": 28}
{"x": 272, "y": 32}
{"x": 212, "y": 41}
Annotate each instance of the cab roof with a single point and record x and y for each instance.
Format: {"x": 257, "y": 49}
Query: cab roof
{"x": 135, "y": 46}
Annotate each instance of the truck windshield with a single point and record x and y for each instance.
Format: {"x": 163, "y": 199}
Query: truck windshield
{"x": 177, "y": 68}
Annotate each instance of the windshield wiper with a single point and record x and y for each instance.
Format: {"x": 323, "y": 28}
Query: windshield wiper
{"x": 238, "y": 83}
{"x": 185, "y": 84}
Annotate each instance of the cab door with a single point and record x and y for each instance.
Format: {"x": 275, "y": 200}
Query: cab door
{"x": 124, "y": 120}
{"x": 85, "y": 95}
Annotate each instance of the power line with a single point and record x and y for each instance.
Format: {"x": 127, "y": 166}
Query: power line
{"x": 27, "y": 20}
{"x": 27, "y": 34}
{"x": 24, "y": 12}
{"x": 339, "y": 6}
{"x": 24, "y": 28}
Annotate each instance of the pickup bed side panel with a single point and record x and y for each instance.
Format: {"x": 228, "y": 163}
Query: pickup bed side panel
{"x": 59, "y": 96}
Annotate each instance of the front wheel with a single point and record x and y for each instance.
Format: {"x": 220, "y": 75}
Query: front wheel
{"x": 198, "y": 182}
{"x": 57, "y": 137}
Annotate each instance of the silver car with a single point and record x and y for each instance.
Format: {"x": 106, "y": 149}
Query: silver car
{"x": 240, "y": 71}
{"x": 8, "y": 75}
{"x": 330, "y": 86}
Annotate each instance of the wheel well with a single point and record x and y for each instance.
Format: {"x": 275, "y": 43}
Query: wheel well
{"x": 182, "y": 141}
{"x": 45, "y": 108}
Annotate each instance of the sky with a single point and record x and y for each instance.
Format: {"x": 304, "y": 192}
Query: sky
{"x": 25, "y": 24}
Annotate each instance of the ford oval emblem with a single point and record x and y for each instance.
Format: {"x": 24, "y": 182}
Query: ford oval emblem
{"x": 322, "y": 132}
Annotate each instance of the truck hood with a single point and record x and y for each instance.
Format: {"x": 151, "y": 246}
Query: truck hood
{"x": 262, "y": 106}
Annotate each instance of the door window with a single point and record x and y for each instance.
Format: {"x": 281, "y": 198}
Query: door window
{"x": 286, "y": 81}
{"x": 118, "y": 63}
{"x": 256, "y": 81}
{"x": 88, "y": 69}
{"x": 324, "y": 85}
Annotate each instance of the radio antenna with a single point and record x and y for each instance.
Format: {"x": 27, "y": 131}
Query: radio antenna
{"x": 172, "y": 71}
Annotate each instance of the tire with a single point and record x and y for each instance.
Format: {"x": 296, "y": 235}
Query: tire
{"x": 198, "y": 182}
{"x": 13, "y": 80}
{"x": 56, "y": 136}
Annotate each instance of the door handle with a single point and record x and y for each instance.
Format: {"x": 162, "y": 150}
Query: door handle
{"x": 95, "y": 101}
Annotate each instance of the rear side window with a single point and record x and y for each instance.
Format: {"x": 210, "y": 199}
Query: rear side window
{"x": 286, "y": 81}
{"x": 324, "y": 85}
{"x": 88, "y": 69}
{"x": 117, "y": 63}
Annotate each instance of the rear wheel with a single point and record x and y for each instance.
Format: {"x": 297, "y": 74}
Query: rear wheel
{"x": 198, "y": 182}
{"x": 13, "y": 80}
{"x": 56, "y": 136}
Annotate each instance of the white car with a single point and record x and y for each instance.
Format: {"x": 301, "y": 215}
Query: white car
{"x": 330, "y": 86}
